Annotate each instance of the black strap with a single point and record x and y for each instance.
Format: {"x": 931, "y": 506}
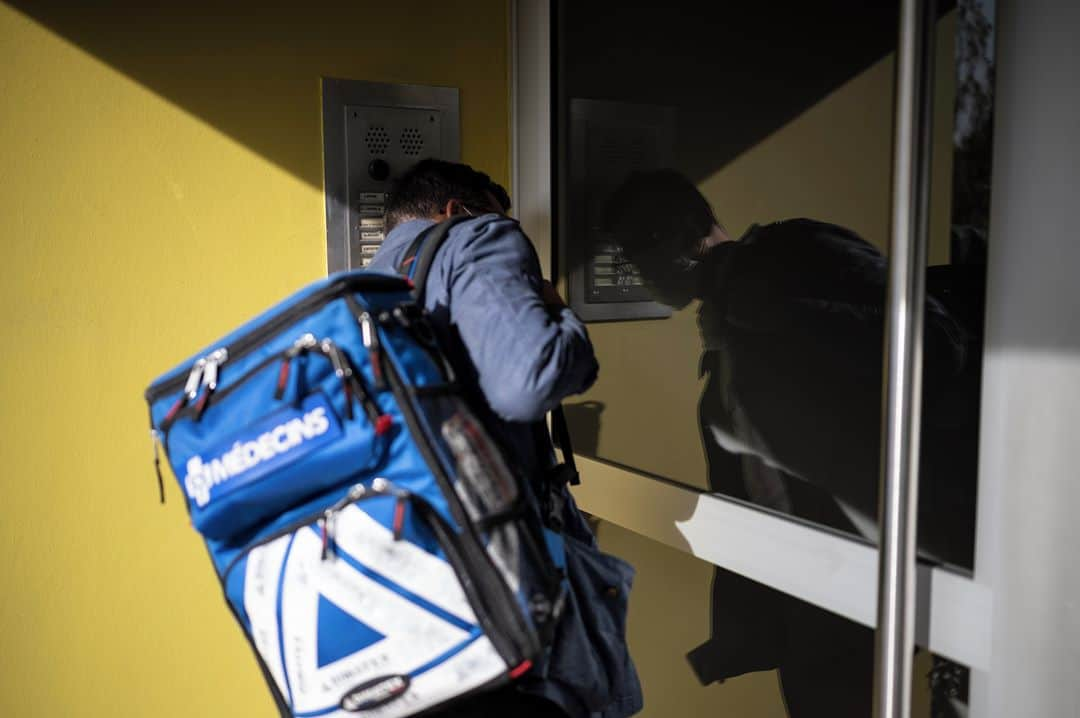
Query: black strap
{"x": 562, "y": 440}
{"x": 418, "y": 259}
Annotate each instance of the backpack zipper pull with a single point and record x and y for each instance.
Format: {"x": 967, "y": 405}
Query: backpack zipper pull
{"x": 343, "y": 372}
{"x": 191, "y": 390}
{"x": 302, "y": 344}
{"x": 155, "y": 440}
{"x": 212, "y": 363}
{"x": 399, "y": 517}
{"x": 370, "y": 335}
{"x": 380, "y": 421}
{"x": 326, "y": 528}
{"x": 384, "y": 486}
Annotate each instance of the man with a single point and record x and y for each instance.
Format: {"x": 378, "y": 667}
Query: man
{"x": 792, "y": 323}
{"x": 518, "y": 351}
{"x": 518, "y": 348}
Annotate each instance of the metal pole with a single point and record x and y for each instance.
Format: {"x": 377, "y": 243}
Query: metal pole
{"x": 907, "y": 267}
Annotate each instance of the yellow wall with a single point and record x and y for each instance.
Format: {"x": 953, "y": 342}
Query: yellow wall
{"x": 669, "y": 616}
{"x": 135, "y": 230}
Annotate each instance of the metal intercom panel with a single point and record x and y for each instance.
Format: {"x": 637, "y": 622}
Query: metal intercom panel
{"x": 608, "y": 141}
{"x": 372, "y": 132}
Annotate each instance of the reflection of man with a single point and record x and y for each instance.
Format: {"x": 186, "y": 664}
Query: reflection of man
{"x": 792, "y": 322}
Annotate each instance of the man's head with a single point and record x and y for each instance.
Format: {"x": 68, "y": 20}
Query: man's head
{"x": 434, "y": 189}
{"x": 663, "y": 225}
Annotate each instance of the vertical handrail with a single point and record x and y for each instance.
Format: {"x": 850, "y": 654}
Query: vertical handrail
{"x": 904, "y": 343}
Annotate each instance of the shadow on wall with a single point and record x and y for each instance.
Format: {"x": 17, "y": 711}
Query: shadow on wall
{"x": 252, "y": 70}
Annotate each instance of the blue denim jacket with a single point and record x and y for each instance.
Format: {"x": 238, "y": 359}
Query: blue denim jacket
{"x": 516, "y": 360}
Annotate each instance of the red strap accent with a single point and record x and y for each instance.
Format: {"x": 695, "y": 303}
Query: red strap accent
{"x": 521, "y": 669}
{"x": 282, "y": 379}
{"x": 175, "y": 409}
{"x": 408, "y": 261}
{"x": 399, "y": 518}
{"x": 202, "y": 403}
{"x": 376, "y": 365}
{"x": 383, "y": 424}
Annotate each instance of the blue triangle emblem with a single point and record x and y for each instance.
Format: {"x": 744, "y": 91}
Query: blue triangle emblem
{"x": 341, "y": 634}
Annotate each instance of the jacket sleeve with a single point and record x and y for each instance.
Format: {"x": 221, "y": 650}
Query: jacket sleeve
{"x": 528, "y": 356}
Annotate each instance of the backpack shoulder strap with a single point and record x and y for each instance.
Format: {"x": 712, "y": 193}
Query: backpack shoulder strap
{"x": 419, "y": 258}
{"x": 562, "y": 440}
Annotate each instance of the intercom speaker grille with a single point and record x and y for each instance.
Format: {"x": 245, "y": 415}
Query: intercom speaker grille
{"x": 412, "y": 141}
{"x": 377, "y": 140}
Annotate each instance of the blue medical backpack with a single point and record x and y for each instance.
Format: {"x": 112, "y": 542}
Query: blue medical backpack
{"x": 379, "y": 551}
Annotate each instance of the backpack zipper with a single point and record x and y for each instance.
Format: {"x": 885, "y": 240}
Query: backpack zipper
{"x": 353, "y": 384}
{"x": 358, "y": 492}
{"x": 244, "y": 344}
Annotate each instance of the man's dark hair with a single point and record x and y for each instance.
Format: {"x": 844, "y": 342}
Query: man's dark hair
{"x": 658, "y": 207}
{"x": 425, "y": 188}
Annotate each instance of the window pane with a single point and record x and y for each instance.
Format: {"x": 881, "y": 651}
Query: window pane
{"x": 723, "y": 205}
{"x": 724, "y": 175}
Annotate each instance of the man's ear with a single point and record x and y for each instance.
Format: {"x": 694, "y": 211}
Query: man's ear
{"x": 453, "y": 207}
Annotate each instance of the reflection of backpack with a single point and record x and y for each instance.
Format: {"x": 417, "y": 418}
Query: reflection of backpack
{"x": 368, "y": 535}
